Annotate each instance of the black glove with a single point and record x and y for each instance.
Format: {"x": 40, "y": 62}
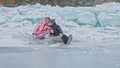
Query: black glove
{"x": 65, "y": 39}
{"x": 33, "y": 34}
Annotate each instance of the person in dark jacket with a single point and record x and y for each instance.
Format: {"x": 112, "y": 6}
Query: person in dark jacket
{"x": 57, "y": 33}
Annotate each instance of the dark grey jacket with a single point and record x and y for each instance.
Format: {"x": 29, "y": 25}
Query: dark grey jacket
{"x": 56, "y": 29}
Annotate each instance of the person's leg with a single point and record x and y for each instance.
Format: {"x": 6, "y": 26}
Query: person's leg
{"x": 63, "y": 39}
{"x": 57, "y": 39}
{"x": 54, "y": 40}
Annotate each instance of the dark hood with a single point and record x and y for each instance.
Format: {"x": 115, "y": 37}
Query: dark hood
{"x": 53, "y": 21}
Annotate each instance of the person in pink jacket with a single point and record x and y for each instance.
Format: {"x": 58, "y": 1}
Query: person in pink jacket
{"x": 42, "y": 29}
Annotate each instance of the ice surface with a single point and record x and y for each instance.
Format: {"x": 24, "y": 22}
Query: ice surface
{"x": 95, "y": 30}
{"x": 78, "y": 55}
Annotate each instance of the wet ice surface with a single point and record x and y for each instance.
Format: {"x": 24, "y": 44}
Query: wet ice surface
{"x": 80, "y": 55}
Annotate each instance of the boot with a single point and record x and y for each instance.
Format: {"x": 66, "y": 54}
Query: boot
{"x": 65, "y": 39}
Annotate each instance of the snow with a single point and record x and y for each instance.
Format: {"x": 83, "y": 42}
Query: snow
{"x": 85, "y": 23}
{"x": 95, "y": 30}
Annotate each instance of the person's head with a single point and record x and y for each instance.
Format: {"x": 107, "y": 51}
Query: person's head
{"x": 50, "y": 23}
{"x": 47, "y": 19}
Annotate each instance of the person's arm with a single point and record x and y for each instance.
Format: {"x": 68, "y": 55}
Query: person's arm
{"x": 59, "y": 29}
{"x": 36, "y": 29}
{"x": 47, "y": 30}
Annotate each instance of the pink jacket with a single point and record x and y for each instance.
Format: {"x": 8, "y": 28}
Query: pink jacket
{"x": 42, "y": 29}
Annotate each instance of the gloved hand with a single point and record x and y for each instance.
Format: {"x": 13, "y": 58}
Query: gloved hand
{"x": 34, "y": 34}
{"x": 60, "y": 35}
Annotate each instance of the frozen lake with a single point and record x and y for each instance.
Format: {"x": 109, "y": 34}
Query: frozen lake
{"x": 81, "y": 55}
{"x": 95, "y": 30}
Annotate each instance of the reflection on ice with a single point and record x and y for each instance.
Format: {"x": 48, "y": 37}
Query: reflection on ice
{"x": 15, "y": 49}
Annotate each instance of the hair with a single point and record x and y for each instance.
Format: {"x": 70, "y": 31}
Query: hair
{"x": 53, "y": 20}
{"x": 50, "y": 21}
{"x": 47, "y": 18}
